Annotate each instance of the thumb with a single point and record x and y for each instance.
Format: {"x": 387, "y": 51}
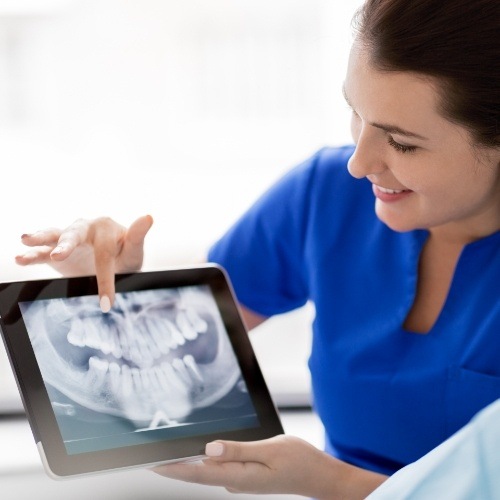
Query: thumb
{"x": 138, "y": 230}
{"x": 235, "y": 451}
{"x": 132, "y": 253}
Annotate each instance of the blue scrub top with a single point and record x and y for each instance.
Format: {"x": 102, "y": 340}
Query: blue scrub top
{"x": 386, "y": 396}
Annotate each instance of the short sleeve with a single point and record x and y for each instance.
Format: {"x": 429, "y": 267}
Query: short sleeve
{"x": 263, "y": 252}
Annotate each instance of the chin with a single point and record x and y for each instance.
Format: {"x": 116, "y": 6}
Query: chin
{"x": 398, "y": 224}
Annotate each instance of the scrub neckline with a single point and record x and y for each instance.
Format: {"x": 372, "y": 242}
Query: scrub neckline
{"x": 420, "y": 238}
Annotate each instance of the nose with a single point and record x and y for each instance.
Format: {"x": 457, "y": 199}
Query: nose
{"x": 367, "y": 158}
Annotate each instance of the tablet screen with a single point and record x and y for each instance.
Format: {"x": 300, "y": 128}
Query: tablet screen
{"x": 158, "y": 366}
{"x": 169, "y": 368}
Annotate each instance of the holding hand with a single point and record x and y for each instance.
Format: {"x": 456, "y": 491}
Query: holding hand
{"x": 282, "y": 464}
{"x": 99, "y": 246}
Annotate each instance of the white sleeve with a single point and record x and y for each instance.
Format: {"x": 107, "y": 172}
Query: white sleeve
{"x": 465, "y": 467}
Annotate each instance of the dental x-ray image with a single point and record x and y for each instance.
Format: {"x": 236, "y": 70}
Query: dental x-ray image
{"x": 159, "y": 365}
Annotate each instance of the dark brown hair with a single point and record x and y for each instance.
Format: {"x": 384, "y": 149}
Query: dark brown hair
{"x": 456, "y": 42}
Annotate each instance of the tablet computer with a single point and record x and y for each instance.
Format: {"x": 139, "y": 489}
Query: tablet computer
{"x": 167, "y": 370}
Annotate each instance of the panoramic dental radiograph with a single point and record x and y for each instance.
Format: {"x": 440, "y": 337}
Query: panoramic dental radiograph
{"x": 157, "y": 359}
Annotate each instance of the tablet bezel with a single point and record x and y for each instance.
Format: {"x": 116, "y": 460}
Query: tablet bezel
{"x": 57, "y": 462}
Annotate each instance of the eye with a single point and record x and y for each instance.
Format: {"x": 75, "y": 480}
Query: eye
{"x": 401, "y": 148}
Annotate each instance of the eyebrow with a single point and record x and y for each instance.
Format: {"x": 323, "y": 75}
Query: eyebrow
{"x": 390, "y": 129}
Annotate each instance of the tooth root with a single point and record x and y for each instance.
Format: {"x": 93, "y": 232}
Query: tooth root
{"x": 122, "y": 340}
{"x": 158, "y": 337}
{"x": 193, "y": 369}
{"x": 146, "y": 382}
{"x": 162, "y": 378}
{"x": 126, "y": 381}
{"x": 136, "y": 378}
{"x": 129, "y": 339}
{"x": 114, "y": 375}
{"x": 198, "y": 323}
{"x": 181, "y": 370}
{"x": 153, "y": 378}
{"x": 172, "y": 376}
{"x": 185, "y": 326}
{"x": 141, "y": 356}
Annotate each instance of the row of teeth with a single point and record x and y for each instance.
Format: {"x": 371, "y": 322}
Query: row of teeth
{"x": 391, "y": 191}
{"x": 141, "y": 342}
{"x": 181, "y": 374}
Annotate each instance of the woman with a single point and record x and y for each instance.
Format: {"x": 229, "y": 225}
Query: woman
{"x": 405, "y": 348}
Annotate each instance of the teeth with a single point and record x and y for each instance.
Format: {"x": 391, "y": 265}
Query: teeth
{"x": 186, "y": 327}
{"x": 76, "y": 335}
{"x": 157, "y": 337}
{"x": 146, "y": 356}
{"x": 141, "y": 344}
{"x": 98, "y": 364}
{"x": 115, "y": 338}
{"x": 199, "y": 324}
{"x": 97, "y": 371}
{"x": 175, "y": 337}
{"x": 391, "y": 191}
{"x": 92, "y": 337}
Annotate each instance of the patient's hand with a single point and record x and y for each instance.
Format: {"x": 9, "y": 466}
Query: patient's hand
{"x": 99, "y": 246}
{"x": 283, "y": 464}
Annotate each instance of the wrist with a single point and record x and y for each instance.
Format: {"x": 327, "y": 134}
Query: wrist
{"x": 335, "y": 479}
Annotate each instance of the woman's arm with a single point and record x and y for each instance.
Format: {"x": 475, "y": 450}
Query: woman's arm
{"x": 280, "y": 465}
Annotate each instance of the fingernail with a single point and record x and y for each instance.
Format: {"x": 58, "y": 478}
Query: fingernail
{"x": 57, "y": 250}
{"x": 105, "y": 304}
{"x": 214, "y": 449}
{"x": 26, "y": 235}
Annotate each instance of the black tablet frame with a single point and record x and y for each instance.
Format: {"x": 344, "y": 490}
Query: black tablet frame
{"x": 58, "y": 463}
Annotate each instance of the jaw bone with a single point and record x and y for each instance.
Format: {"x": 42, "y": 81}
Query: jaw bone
{"x": 172, "y": 357}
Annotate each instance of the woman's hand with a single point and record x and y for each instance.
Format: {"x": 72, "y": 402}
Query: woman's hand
{"x": 280, "y": 465}
{"x": 99, "y": 246}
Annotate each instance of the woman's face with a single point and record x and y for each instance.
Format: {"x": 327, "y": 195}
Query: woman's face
{"x": 426, "y": 174}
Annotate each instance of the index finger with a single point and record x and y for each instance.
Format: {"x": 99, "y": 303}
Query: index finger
{"x": 107, "y": 239}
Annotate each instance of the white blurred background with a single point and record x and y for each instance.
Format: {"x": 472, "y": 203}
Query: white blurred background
{"x": 183, "y": 109}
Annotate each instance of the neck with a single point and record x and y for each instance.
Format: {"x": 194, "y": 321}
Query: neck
{"x": 455, "y": 233}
